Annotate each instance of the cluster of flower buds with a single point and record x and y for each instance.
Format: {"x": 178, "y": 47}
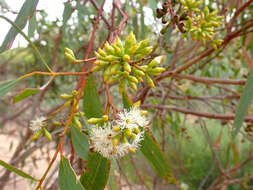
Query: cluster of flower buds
{"x": 191, "y": 19}
{"x": 201, "y": 26}
{"x": 121, "y": 136}
{"x": 38, "y": 126}
{"x": 122, "y": 62}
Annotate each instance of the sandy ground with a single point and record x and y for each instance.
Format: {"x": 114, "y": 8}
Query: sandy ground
{"x": 16, "y": 182}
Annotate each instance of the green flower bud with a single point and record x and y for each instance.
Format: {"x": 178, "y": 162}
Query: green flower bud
{"x": 112, "y": 58}
{"x": 132, "y": 85}
{"x": 139, "y": 79}
{"x": 138, "y": 72}
{"x": 71, "y": 58}
{"x": 141, "y": 45}
{"x": 113, "y": 79}
{"x": 149, "y": 81}
{"x": 74, "y": 92}
{"x": 94, "y": 120}
{"x": 101, "y": 63}
{"x": 130, "y": 41}
{"x": 144, "y": 112}
{"x": 126, "y": 58}
{"x": 127, "y": 67}
{"x": 69, "y": 51}
{"x": 116, "y": 128}
{"x": 105, "y": 118}
{"x": 124, "y": 139}
{"x": 97, "y": 68}
{"x": 115, "y": 141}
{"x": 37, "y": 135}
{"x": 133, "y": 79}
{"x": 47, "y": 134}
{"x": 119, "y": 43}
{"x": 136, "y": 131}
{"x": 146, "y": 51}
{"x": 102, "y": 52}
{"x": 132, "y": 49}
{"x": 115, "y": 68}
{"x": 57, "y": 123}
{"x": 132, "y": 150}
{"x": 118, "y": 51}
{"x": 65, "y": 96}
{"x": 144, "y": 67}
{"x": 108, "y": 48}
{"x": 128, "y": 132}
{"x": 157, "y": 71}
{"x": 125, "y": 74}
{"x": 77, "y": 122}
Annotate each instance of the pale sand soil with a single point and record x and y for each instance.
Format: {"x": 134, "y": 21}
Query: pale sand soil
{"x": 16, "y": 182}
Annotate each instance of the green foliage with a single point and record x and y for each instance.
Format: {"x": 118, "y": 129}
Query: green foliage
{"x": 80, "y": 142}
{"x": 244, "y": 104}
{"x": 17, "y": 171}
{"x": 96, "y": 173}
{"x": 67, "y": 177}
{"x": 25, "y": 94}
{"x": 25, "y": 12}
{"x": 91, "y": 102}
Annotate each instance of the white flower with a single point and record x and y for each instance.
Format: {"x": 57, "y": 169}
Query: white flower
{"x": 37, "y": 124}
{"x": 132, "y": 118}
{"x": 101, "y": 140}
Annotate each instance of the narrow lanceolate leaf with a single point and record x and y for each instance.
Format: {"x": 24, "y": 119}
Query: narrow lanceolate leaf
{"x": 91, "y": 102}
{"x": 25, "y": 94}
{"x": 152, "y": 151}
{"x": 96, "y": 173}
{"x": 32, "y": 26}
{"x": 80, "y": 142}
{"x": 17, "y": 171}
{"x": 244, "y": 104}
{"x": 24, "y": 14}
{"x": 67, "y": 177}
{"x": 66, "y": 13}
{"x": 155, "y": 156}
{"x": 7, "y": 86}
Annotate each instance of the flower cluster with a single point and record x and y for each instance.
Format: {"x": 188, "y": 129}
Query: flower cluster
{"x": 37, "y": 124}
{"x": 191, "y": 19}
{"x": 122, "y": 62}
{"x": 117, "y": 138}
{"x": 38, "y": 127}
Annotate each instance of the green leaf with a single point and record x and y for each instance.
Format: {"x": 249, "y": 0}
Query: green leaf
{"x": 66, "y": 14}
{"x": 91, "y": 102}
{"x": 32, "y": 26}
{"x": 127, "y": 103}
{"x": 98, "y": 167}
{"x": 7, "y": 86}
{"x": 97, "y": 172}
{"x": 244, "y": 104}
{"x": 152, "y": 151}
{"x": 25, "y": 12}
{"x": 25, "y": 94}
{"x": 17, "y": 171}
{"x": 80, "y": 142}
{"x": 67, "y": 177}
